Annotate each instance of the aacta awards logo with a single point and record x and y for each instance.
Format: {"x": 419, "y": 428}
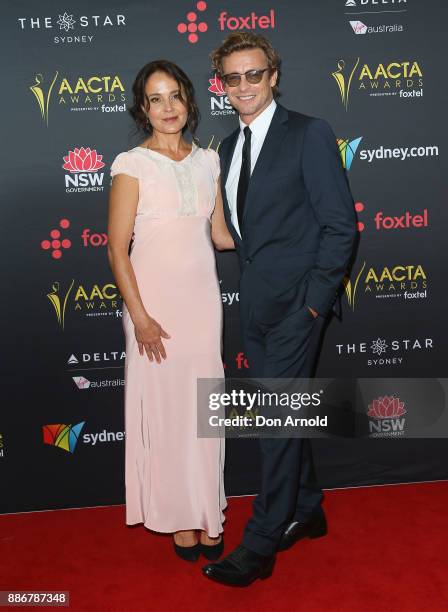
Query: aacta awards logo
{"x": 71, "y": 29}
{"x": 63, "y": 436}
{"x": 89, "y": 93}
{"x": 406, "y": 282}
{"x": 219, "y": 102}
{"x": 2, "y": 446}
{"x": 403, "y": 79}
{"x": 90, "y": 300}
{"x": 83, "y": 166}
{"x": 386, "y": 417}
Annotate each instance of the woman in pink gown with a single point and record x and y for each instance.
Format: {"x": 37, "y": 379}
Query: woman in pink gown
{"x": 165, "y": 197}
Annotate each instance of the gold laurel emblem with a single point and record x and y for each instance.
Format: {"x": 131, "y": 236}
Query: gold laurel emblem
{"x": 42, "y": 97}
{"x": 350, "y": 290}
{"x": 212, "y": 145}
{"x": 58, "y": 304}
{"x": 342, "y": 82}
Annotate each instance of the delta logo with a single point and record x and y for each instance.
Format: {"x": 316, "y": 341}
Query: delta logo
{"x": 405, "y": 282}
{"x": 93, "y": 300}
{"x": 82, "y": 166}
{"x": 63, "y": 436}
{"x": 104, "y": 93}
{"x": 374, "y": 3}
{"x": 403, "y": 79}
{"x": 91, "y": 360}
{"x": 377, "y": 5}
{"x": 386, "y": 417}
{"x": 219, "y": 102}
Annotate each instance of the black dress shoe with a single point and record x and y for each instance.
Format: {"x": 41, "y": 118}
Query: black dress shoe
{"x": 240, "y": 568}
{"x": 188, "y": 553}
{"x": 315, "y": 527}
{"x": 213, "y": 552}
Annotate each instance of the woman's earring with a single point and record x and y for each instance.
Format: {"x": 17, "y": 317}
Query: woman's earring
{"x": 148, "y": 124}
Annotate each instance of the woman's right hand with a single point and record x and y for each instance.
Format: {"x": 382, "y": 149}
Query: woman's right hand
{"x": 149, "y": 336}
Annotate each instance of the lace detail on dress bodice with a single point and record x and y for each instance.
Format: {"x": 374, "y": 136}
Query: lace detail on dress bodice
{"x": 188, "y": 195}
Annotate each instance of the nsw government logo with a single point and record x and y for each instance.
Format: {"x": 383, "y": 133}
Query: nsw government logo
{"x": 83, "y": 165}
{"x": 219, "y": 102}
{"x": 386, "y": 417}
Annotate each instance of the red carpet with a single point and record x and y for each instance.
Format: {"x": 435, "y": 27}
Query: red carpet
{"x": 387, "y": 551}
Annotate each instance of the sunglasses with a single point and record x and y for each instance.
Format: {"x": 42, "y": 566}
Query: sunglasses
{"x": 252, "y": 76}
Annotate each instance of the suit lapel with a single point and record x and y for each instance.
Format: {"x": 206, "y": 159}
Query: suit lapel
{"x": 276, "y": 132}
{"x": 227, "y": 156}
{"x": 226, "y": 160}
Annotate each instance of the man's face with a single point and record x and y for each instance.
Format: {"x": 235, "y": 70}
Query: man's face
{"x": 249, "y": 100}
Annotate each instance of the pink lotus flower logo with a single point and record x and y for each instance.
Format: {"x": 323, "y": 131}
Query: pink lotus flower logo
{"x": 216, "y": 86}
{"x": 83, "y": 160}
{"x": 386, "y": 407}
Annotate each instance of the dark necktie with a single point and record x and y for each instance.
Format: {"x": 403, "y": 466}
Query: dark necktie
{"x": 243, "y": 182}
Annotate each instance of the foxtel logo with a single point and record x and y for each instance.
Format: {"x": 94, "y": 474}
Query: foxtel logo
{"x": 250, "y": 22}
{"x": 402, "y": 222}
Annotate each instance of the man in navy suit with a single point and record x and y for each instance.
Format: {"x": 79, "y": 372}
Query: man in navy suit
{"x": 290, "y": 212}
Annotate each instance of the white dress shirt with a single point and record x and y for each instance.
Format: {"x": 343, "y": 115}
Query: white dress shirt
{"x": 259, "y": 128}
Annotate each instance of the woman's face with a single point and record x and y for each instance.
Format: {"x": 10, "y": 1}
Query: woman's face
{"x": 166, "y": 112}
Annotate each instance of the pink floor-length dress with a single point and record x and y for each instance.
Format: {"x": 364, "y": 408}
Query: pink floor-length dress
{"x": 174, "y": 480}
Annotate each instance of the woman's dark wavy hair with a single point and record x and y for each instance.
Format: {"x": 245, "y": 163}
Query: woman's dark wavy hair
{"x": 141, "y": 100}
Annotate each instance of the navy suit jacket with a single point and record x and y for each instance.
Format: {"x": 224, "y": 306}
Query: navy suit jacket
{"x": 299, "y": 227}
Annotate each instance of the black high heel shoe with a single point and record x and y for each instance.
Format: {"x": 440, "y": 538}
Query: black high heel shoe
{"x": 212, "y": 553}
{"x": 187, "y": 553}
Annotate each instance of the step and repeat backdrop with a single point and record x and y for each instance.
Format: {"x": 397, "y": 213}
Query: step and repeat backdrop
{"x": 375, "y": 69}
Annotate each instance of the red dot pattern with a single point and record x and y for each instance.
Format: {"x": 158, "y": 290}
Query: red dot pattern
{"x": 55, "y": 243}
{"x": 359, "y": 207}
{"x": 193, "y": 27}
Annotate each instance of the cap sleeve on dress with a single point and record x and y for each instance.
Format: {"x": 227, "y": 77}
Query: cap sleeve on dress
{"x": 124, "y": 163}
{"x": 216, "y": 169}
